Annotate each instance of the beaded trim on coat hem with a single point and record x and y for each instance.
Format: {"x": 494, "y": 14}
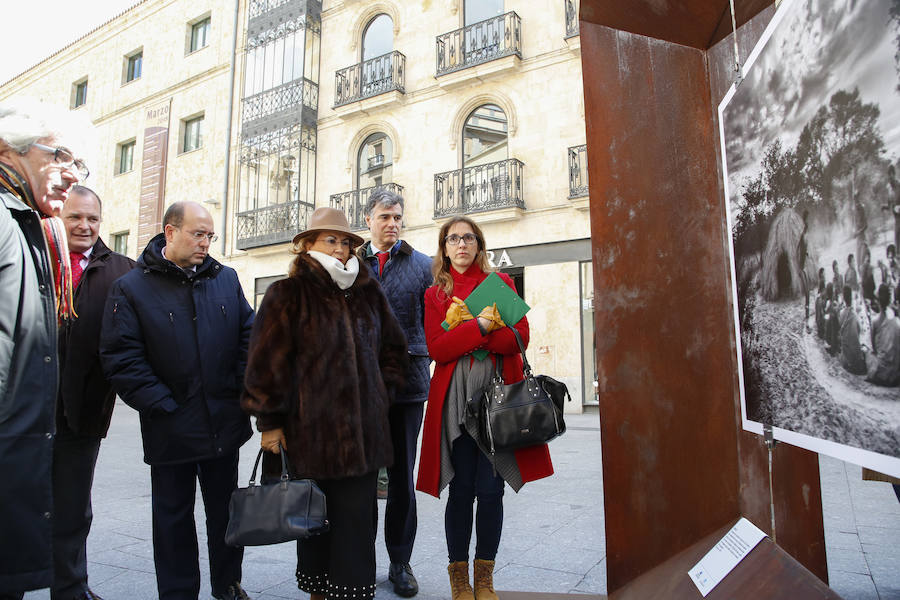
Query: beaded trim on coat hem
{"x": 318, "y": 584}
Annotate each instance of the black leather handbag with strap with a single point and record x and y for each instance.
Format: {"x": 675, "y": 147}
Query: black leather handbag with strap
{"x": 525, "y": 413}
{"x": 271, "y": 513}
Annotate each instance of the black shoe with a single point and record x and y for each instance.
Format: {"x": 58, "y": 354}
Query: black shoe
{"x": 404, "y": 581}
{"x": 234, "y": 592}
{"x": 89, "y": 595}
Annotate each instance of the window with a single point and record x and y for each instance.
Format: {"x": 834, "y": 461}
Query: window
{"x": 481, "y": 10}
{"x": 120, "y": 242}
{"x": 133, "y": 65}
{"x": 125, "y": 157}
{"x": 378, "y": 38}
{"x": 199, "y": 35}
{"x": 374, "y": 164}
{"x": 193, "y": 134}
{"x": 260, "y": 285}
{"x": 79, "y": 93}
{"x": 484, "y": 136}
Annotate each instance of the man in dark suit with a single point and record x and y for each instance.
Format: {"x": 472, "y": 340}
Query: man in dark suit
{"x": 404, "y": 274}
{"x": 174, "y": 344}
{"x": 85, "y": 400}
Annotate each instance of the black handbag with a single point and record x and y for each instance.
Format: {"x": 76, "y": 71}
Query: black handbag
{"x": 521, "y": 414}
{"x": 271, "y": 513}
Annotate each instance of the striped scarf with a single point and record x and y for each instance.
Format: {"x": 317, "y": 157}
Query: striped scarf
{"x": 55, "y": 238}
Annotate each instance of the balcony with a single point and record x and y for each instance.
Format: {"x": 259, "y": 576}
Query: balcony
{"x": 354, "y": 202}
{"x": 578, "y": 173}
{"x": 492, "y": 186}
{"x": 278, "y": 106}
{"x": 271, "y": 224}
{"x": 376, "y": 161}
{"x": 496, "y": 38}
{"x": 373, "y": 77}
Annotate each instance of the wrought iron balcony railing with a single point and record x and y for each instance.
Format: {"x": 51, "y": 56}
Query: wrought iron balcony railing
{"x": 578, "y": 173}
{"x": 271, "y": 224}
{"x": 479, "y": 43}
{"x": 571, "y": 18}
{"x": 354, "y": 202}
{"x": 477, "y": 189}
{"x": 285, "y": 97}
{"x": 376, "y": 161}
{"x": 369, "y": 78}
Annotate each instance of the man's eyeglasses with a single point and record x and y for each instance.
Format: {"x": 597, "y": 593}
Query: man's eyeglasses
{"x": 454, "y": 239}
{"x": 198, "y": 236}
{"x": 65, "y": 159}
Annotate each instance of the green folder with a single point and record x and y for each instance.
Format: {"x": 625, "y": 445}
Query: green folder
{"x": 493, "y": 289}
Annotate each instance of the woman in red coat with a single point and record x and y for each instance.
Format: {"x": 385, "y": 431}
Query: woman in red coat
{"x": 449, "y": 454}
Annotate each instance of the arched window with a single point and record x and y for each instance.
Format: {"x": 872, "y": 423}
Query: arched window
{"x": 375, "y": 161}
{"x": 484, "y": 136}
{"x": 378, "y": 37}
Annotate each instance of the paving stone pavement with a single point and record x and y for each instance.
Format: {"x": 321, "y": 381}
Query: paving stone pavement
{"x": 553, "y": 531}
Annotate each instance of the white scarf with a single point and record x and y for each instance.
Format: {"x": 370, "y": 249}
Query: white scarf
{"x": 343, "y": 275}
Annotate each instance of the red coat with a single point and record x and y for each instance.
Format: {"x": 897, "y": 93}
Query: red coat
{"x": 446, "y": 348}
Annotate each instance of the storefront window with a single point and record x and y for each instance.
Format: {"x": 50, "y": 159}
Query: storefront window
{"x": 590, "y": 390}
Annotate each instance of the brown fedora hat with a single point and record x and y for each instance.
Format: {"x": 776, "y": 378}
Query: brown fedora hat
{"x": 326, "y": 218}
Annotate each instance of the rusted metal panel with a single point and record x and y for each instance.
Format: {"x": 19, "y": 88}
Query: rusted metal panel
{"x": 766, "y": 572}
{"x": 695, "y": 23}
{"x": 663, "y": 327}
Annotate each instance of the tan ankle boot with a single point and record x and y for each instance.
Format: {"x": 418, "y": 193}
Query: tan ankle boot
{"x": 484, "y": 580}
{"x": 459, "y": 581}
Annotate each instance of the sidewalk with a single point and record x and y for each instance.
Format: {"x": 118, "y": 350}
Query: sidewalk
{"x": 553, "y": 531}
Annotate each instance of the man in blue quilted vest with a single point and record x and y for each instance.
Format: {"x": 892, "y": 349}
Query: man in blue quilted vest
{"x": 404, "y": 274}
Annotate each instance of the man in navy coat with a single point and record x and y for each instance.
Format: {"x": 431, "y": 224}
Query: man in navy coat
{"x": 174, "y": 345}
{"x": 404, "y": 274}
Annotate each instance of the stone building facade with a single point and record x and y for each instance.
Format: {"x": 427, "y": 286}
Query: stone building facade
{"x": 266, "y": 109}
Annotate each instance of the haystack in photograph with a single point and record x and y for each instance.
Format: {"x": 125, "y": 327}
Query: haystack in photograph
{"x": 811, "y": 138}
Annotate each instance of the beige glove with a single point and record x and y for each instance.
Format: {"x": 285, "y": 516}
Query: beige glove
{"x": 457, "y": 313}
{"x": 492, "y": 316}
{"x": 271, "y": 439}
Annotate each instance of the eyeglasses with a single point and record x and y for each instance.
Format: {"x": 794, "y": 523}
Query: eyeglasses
{"x": 198, "y": 236}
{"x": 65, "y": 159}
{"x": 454, "y": 240}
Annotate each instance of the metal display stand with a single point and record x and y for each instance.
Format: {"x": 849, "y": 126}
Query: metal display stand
{"x": 678, "y": 470}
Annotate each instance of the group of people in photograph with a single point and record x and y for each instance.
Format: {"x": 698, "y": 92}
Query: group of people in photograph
{"x": 335, "y": 369}
{"x": 857, "y": 315}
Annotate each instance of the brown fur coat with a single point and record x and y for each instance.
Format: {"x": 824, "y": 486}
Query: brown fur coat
{"x": 321, "y": 363}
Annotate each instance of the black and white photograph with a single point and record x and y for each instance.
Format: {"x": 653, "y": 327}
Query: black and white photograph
{"x": 811, "y": 142}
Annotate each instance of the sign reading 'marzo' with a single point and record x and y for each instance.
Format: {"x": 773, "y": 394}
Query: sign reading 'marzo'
{"x": 811, "y": 160}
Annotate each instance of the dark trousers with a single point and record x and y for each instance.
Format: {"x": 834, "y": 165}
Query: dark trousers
{"x": 341, "y": 562}
{"x": 400, "y": 513}
{"x": 175, "y": 550}
{"x": 74, "y": 459}
{"x": 474, "y": 477}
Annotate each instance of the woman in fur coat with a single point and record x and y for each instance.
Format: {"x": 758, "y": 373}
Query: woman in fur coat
{"x": 450, "y": 454}
{"x": 325, "y": 353}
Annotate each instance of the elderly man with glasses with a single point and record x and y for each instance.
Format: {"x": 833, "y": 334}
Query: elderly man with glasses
{"x": 174, "y": 345}
{"x": 38, "y": 167}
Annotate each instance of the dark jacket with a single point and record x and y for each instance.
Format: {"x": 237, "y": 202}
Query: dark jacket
{"x": 28, "y": 380}
{"x": 174, "y": 348}
{"x": 406, "y": 276}
{"x": 321, "y": 362}
{"x": 86, "y": 398}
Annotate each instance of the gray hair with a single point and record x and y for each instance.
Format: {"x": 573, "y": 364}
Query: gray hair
{"x": 23, "y": 122}
{"x": 383, "y": 197}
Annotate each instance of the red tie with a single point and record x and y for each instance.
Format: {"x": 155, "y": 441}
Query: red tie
{"x": 382, "y": 258}
{"x": 75, "y": 258}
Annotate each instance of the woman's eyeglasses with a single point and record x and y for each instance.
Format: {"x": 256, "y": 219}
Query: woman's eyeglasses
{"x": 455, "y": 240}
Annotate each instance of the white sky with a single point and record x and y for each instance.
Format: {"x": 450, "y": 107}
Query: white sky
{"x": 38, "y": 28}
